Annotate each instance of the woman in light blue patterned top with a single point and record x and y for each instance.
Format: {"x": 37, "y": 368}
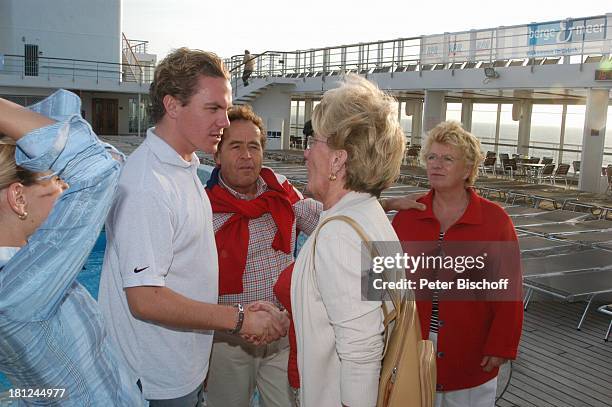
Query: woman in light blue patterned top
{"x": 56, "y": 187}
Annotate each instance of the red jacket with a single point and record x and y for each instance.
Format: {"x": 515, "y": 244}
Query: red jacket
{"x": 468, "y": 330}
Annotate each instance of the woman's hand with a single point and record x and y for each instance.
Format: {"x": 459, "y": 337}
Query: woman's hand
{"x": 491, "y": 362}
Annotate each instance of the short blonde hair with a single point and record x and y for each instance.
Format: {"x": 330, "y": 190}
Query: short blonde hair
{"x": 452, "y": 133}
{"x": 361, "y": 119}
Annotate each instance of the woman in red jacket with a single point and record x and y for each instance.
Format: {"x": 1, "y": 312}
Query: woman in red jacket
{"x": 473, "y": 336}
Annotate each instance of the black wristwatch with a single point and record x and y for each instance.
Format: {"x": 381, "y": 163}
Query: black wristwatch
{"x": 240, "y": 319}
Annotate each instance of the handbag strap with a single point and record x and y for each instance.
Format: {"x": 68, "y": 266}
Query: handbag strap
{"x": 369, "y": 244}
{"x": 389, "y": 316}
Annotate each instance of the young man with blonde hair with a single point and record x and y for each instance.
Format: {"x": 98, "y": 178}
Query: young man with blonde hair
{"x": 158, "y": 290}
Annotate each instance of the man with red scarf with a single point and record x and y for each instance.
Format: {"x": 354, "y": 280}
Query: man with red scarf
{"x": 257, "y": 215}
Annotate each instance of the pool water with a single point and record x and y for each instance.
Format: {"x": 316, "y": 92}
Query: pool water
{"x": 89, "y": 277}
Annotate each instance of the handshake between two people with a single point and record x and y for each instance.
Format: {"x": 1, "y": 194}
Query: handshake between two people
{"x": 263, "y": 323}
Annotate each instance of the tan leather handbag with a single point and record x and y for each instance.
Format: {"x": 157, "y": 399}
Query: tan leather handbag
{"x": 408, "y": 375}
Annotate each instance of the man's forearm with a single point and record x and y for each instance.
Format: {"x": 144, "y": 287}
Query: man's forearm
{"x": 164, "y": 306}
{"x": 167, "y": 307}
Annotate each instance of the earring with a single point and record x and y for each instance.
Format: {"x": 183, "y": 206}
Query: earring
{"x": 23, "y": 216}
{"x": 332, "y": 177}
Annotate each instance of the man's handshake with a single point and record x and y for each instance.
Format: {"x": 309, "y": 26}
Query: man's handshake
{"x": 263, "y": 323}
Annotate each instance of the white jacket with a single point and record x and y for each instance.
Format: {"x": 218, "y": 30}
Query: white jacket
{"x": 339, "y": 336}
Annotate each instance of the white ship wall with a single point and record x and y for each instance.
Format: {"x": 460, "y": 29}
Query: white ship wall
{"x": 74, "y": 29}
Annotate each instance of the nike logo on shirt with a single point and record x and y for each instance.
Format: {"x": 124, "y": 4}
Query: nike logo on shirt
{"x": 137, "y": 270}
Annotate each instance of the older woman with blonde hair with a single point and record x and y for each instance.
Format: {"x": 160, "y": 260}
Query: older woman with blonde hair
{"x": 474, "y": 336}
{"x": 354, "y": 154}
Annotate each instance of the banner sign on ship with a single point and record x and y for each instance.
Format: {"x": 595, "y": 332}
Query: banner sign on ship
{"x": 566, "y": 37}
{"x": 556, "y": 38}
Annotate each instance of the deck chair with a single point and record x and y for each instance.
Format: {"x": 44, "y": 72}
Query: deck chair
{"x": 593, "y": 58}
{"x": 529, "y": 244}
{"x": 561, "y": 173}
{"x": 412, "y": 155}
{"x": 489, "y": 164}
{"x": 572, "y": 286}
{"x": 576, "y": 165}
{"x": 607, "y": 309}
{"x": 547, "y": 160}
{"x": 547, "y": 217}
{"x": 509, "y": 166}
{"x": 551, "y": 60}
{"x": 547, "y": 173}
{"x": 561, "y": 229}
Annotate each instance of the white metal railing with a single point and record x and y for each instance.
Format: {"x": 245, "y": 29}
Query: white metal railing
{"x": 63, "y": 68}
{"x": 526, "y": 45}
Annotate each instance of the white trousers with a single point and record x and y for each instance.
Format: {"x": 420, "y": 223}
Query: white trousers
{"x": 479, "y": 396}
{"x": 236, "y": 367}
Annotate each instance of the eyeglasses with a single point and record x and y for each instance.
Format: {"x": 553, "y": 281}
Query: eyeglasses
{"x": 53, "y": 176}
{"x": 447, "y": 160}
{"x": 310, "y": 140}
{"x": 46, "y": 177}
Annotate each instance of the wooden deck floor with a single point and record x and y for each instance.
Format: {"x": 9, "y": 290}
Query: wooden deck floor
{"x": 559, "y": 366}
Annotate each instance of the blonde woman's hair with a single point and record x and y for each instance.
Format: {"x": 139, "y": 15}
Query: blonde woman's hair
{"x": 10, "y": 172}
{"x": 363, "y": 120}
{"x": 452, "y": 133}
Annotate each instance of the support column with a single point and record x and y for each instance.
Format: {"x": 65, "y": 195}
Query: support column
{"x": 307, "y": 109}
{"x": 593, "y": 139}
{"x": 434, "y": 110}
{"x": 417, "y": 125}
{"x": 138, "y": 113}
{"x": 274, "y": 107}
{"x": 467, "y": 108}
{"x": 497, "y": 127}
{"x": 562, "y": 136}
{"x": 524, "y": 131}
{"x": 285, "y": 139}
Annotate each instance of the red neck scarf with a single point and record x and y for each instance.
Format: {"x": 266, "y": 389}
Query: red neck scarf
{"x": 233, "y": 237}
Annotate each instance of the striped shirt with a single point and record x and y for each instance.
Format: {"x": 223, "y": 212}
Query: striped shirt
{"x": 264, "y": 264}
{"x": 51, "y": 331}
{"x": 435, "y": 303}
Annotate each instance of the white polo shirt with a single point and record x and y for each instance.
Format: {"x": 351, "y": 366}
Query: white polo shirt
{"x": 159, "y": 233}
